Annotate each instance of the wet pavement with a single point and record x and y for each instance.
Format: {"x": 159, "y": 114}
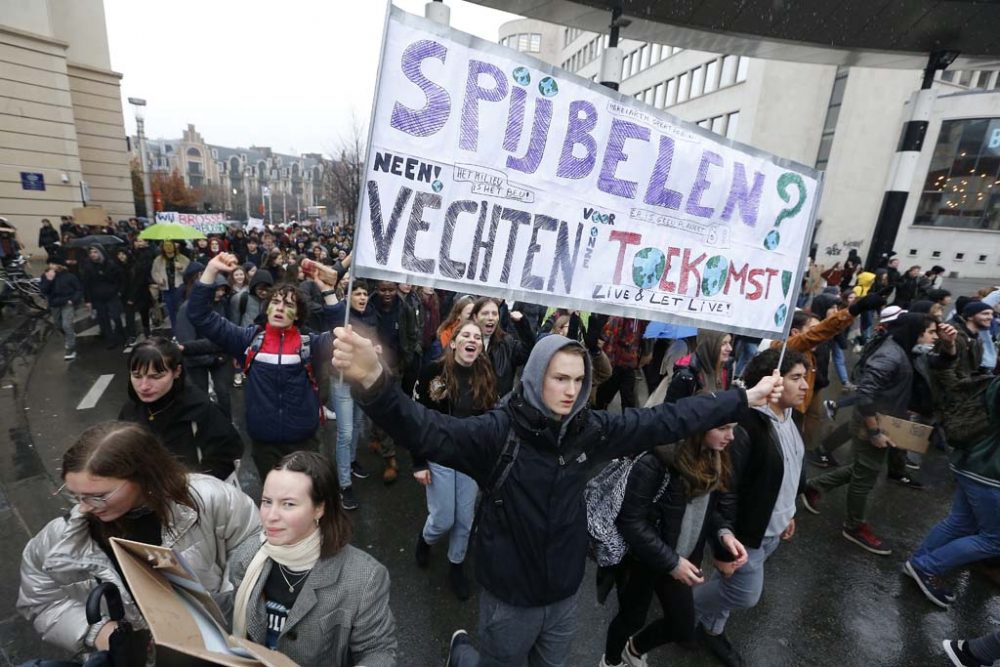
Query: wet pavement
{"x": 825, "y": 601}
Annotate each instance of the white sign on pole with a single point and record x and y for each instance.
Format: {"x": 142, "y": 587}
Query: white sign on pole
{"x": 493, "y": 173}
{"x": 265, "y": 191}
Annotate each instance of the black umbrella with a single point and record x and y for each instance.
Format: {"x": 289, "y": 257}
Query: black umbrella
{"x": 95, "y": 239}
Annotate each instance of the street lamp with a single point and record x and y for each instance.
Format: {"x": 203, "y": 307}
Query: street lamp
{"x": 138, "y": 107}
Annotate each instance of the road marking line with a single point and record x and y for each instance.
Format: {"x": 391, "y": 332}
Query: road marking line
{"x": 95, "y": 393}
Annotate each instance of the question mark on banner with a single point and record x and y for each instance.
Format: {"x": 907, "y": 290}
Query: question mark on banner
{"x": 773, "y": 237}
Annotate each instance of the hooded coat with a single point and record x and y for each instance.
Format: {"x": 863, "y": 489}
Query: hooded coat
{"x": 695, "y": 372}
{"x": 865, "y": 281}
{"x": 101, "y": 280}
{"x": 245, "y": 307}
{"x": 532, "y": 533}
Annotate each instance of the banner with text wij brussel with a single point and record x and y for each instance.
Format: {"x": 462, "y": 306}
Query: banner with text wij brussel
{"x": 492, "y": 173}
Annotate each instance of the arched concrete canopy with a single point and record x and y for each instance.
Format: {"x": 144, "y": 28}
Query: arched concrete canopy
{"x": 868, "y": 33}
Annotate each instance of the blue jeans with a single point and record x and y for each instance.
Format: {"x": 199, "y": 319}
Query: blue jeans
{"x": 63, "y": 317}
{"x": 970, "y": 532}
{"x": 451, "y": 504}
{"x": 172, "y": 299}
{"x": 350, "y": 424}
{"x": 719, "y": 596}
{"x": 509, "y": 636}
{"x": 840, "y": 363}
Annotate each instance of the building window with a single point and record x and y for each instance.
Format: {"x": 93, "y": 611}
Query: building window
{"x": 959, "y": 256}
{"x": 729, "y": 66}
{"x": 194, "y": 167}
{"x": 194, "y": 152}
{"x": 962, "y": 188}
{"x": 683, "y": 87}
{"x": 741, "y": 69}
{"x": 712, "y": 77}
{"x": 671, "y": 97}
{"x": 732, "y": 124}
{"x": 697, "y": 82}
{"x": 658, "y": 96}
{"x": 832, "y": 115}
{"x": 719, "y": 125}
{"x": 982, "y": 259}
{"x": 936, "y": 254}
{"x": 913, "y": 252}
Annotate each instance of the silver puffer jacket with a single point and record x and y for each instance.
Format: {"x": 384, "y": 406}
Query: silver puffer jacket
{"x": 62, "y": 564}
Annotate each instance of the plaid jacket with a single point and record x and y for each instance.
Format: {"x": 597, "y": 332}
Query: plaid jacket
{"x": 623, "y": 341}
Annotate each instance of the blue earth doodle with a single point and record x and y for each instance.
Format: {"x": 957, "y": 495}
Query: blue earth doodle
{"x": 521, "y": 75}
{"x": 772, "y": 239}
{"x": 548, "y": 87}
{"x": 780, "y": 314}
{"x": 786, "y": 282}
{"x": 714, "y": 276}
{"x": 437, "y": 186}
{"x": 647, "y": 267}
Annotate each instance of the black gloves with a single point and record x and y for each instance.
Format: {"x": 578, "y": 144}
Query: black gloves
{"x": 871, "y": 302}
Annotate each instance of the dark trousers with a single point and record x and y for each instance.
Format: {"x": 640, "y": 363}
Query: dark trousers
{"x": 109, "y": 318}
{"x": 651, "y": 371}
{"x": 860, "y": 476}
{"x": 140, "y": 309}
{"x": 222, "y": 379}
{"x": 622, "y": 379}
{"x": 636, "y": 585}
{"x": 267, "y": 454}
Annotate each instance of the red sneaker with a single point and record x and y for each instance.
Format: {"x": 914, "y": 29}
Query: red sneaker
{"x": 866, "y": 539}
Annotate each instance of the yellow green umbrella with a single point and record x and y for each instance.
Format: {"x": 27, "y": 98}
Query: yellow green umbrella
{"x": 170, "y": 231}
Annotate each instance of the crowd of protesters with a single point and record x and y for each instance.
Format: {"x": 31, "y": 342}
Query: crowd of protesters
{"x": 508, "y": 403}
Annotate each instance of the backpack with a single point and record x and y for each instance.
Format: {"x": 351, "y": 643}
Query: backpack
{"x": 603, "y": 496}
{"x": 305, "y": 354}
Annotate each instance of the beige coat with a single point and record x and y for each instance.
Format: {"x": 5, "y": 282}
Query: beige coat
{"x": 62, "y": 563}
{"x": 159, "y": 271}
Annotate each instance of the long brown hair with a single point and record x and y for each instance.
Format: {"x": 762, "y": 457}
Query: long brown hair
{"x": 123, "y": 450}
{"x": 484, "y": 382}
{"x": 456, "y": 314}
{"x": 481, "y": 302}
{"x": 334, "y": 526}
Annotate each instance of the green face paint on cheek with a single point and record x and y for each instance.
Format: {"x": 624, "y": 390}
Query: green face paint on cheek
{"x": 290, "y": 312}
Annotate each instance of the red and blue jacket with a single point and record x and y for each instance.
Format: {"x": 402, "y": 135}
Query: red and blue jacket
{"x": 282, "y": 405}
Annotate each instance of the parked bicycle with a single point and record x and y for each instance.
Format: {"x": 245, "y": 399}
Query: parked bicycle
{"x": 19, "y": 288}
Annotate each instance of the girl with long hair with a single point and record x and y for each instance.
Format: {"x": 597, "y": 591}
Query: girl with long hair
{"x": 461, "y": 384}
{"x": 708, "y": 369}
{"x": 303, "y": 590}
{"x": 507, "y": 353}
{"x": 666, "y": 516}
{"x": 123, "y": 483}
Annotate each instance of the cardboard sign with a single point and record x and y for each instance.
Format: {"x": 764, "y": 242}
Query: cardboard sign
{"x": 906, "y": 434}
{"x": 90, "y": 216}
{"x": 491, "y": 172}
{"x": 182, "y": 617}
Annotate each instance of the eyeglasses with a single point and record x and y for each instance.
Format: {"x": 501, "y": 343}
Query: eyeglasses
{"x": 97, "y": 502}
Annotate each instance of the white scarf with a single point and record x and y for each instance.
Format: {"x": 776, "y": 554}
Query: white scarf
{"x": 296, "y": 557}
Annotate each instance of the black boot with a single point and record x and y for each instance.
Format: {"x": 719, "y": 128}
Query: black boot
{"x": 459, "y": 584}
{"x": 423, "y": 552}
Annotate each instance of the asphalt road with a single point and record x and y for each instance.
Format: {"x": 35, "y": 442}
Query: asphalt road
{"x": 825, "y": 601}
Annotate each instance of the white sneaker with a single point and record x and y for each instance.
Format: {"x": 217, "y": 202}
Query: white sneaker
{"x": 70, "y": 356}
{"x": 631, "y": 660}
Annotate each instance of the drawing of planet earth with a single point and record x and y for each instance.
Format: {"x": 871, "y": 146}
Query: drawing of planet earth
{"x": 772, "y": 239}
{"x": 647, "y": 267}
{"x": 548, "y": 87}
{"x": 713, "y": 278}
{"x": 522, "y": 75}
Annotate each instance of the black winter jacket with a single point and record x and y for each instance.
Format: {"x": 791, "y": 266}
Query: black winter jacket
{"x": 209, "y": 447}
{"x": 651, "y": 529}
{"x": 758, "y": 468}
{"x": 62, "y": 289}
{"x": 102, "y": 280}
{"x": 532, "y": 538}
{"x": 510, "y": 353}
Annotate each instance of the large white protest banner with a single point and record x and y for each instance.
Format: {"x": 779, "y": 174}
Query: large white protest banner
{"x": 206, "y": 223}
{"x": 491, "y": 172}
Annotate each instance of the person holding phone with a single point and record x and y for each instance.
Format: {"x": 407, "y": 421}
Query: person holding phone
{"x": 668, "y": 513}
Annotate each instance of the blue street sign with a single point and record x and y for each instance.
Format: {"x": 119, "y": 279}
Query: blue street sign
{"x": 32, "y": 181}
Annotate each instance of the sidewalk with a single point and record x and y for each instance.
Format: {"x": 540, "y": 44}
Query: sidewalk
{"x": 26, "y": 491}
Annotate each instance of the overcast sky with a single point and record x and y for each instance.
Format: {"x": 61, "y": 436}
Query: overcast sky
{"x": 288, "y": 74}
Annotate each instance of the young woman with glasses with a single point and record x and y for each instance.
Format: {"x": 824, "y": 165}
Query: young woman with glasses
{"x": 123, "y": 483}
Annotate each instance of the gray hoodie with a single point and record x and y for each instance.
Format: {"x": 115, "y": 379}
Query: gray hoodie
{"x": 533, "y": 375}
